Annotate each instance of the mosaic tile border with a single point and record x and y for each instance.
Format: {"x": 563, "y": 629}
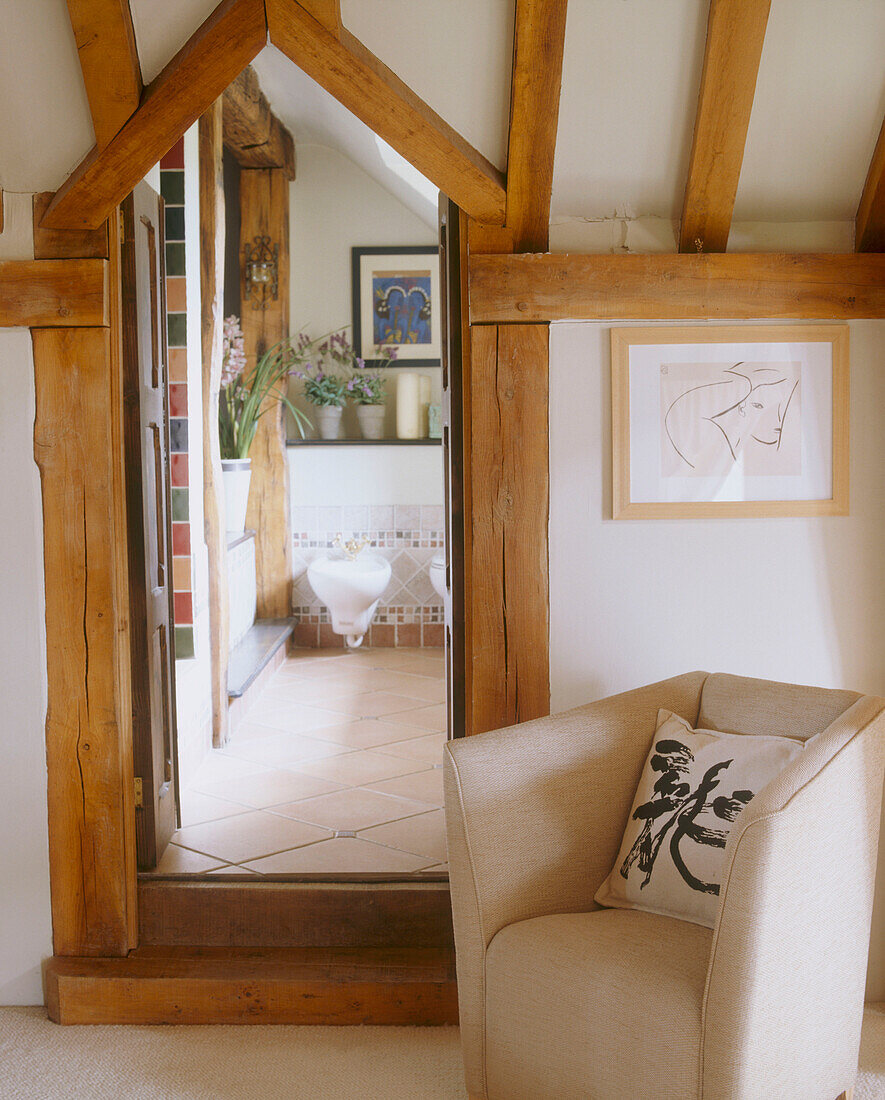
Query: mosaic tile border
{"x": 409, "y": 536}
{"x": 172, "y": 188}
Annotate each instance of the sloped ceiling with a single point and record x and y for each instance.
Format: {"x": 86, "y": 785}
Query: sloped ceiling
{"x": 630, "y": 82}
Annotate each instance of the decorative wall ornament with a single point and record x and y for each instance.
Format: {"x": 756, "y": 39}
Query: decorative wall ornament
{"x": 396, "y": 304}
{"x": 261, "y": 272}
{"x": 729, "y": 421}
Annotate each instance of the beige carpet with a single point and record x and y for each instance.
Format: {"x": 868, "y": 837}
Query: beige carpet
{"x": 39, "y": 1061}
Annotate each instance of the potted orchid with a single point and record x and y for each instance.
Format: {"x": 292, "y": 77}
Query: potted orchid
{"x": 367, "y": 390}
{"x": 242, "y": 401}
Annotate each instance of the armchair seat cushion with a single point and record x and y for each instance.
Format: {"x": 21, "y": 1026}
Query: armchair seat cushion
{"x": 603, "y": 1005}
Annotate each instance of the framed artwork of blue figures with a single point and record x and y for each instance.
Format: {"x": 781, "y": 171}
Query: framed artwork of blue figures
{"x": 396, "y": 303}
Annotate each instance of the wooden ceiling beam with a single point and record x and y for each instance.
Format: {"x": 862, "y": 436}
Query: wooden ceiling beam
{"x": 109, "y": 61}
{"x": 737, "y": 286}
{"x": 252, "y": 132}
{"x": 198, "y": 74}
{"x": 327, "y": 12}
{"x": 367, "y": 88}
{"x": 869, "y": 229}
{"x": 538, "y": 43}
{"x": 735, "y": 34}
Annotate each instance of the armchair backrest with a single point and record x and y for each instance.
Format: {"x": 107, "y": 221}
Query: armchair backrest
{"x": 740, "y": 704}
{"x": 785, "y": 986}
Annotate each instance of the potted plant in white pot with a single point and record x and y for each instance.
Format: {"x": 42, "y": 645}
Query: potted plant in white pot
{"x": 367, "y": 390}
{"x": 242, "y": 401}
{"x": 325, "y": 385}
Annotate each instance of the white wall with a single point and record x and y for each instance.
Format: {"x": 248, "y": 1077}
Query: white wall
{"x": 335, "y": 205}
{"x": 25, "y": 927}
{"x": 341, "y": 476}
{"x": 635, "y": 601}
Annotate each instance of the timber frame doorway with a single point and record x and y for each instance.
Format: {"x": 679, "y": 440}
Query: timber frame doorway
{"x": 113, "y": 959}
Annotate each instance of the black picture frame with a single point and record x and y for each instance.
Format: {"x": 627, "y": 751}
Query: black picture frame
{"x": 361, "y": 309}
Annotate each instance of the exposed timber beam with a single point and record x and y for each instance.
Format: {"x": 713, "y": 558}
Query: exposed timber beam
{"x": 738, "y": 286}
{"x": 735, "y": 34}
{"x": 538, "y": 42}
{"x": 198, "y": 74}
{"x": 327, "y": 12}
{"x": 869, "y": 233}
{"x": 109, "y": 60}
{"x": 367, "y": 88}
{"x": 252, "y": 132}
{"x": 54, "y": 293}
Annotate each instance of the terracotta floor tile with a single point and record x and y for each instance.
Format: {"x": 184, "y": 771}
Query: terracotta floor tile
{"x": 376, "y": 704}
{"x": 248, "y": 836}
{"x": 280, "y": 748}
{"x": 318, "y": 668}
{"x": 431, "y": 718}
{"x": 339, "y": 856}
{"x": 234, "y": 869}
{"x": 424, "y": 786}
{"x": 293, "y": 716}
{"x": 219, "y": 766}
{"x": 182, "y": 861}
{"x": 428, "y": 748}
{"x": 368, "y": 733}
{"x": 320, "y": 692}
{"x": 197, "y": 807}
{"x": 360, "y": 768}
{"x": 425, "y": 835}
{"x": 351, "y": 809}
{"x": 273, "y": 788}
{"x": 430, "y": 689}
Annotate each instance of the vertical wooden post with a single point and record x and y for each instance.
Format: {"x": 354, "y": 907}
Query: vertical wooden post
{"x": 78, "y": 447}
{"x": 508, "y": 471}
{"x": 264, "y": 212}
{"x": 212, "y": 299}
{"x": 88, "y": 752}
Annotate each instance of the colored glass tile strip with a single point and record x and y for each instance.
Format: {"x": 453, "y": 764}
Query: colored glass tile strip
{"x": 172, "y": 188}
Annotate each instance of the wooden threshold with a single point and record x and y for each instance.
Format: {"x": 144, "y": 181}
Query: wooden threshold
{"x": 188, "y": 985}
{"x": 242, "y": 913}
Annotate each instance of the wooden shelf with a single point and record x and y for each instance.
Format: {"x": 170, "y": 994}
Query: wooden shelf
{"x": 363, "y": 442}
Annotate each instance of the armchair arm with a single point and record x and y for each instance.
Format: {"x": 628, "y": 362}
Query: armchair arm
{"x": 535, "y": 815}
{"x": 785, "y": 986}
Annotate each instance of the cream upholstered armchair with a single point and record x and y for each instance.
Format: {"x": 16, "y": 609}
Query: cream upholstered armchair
{"x": 562, "y": 1000}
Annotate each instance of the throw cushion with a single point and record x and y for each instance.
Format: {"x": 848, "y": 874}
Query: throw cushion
{"x": 694, "y": 785}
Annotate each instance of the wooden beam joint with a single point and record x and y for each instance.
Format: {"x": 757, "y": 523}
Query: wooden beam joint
{"x": 54, "y": 293}
{"x": 252, "y": 132}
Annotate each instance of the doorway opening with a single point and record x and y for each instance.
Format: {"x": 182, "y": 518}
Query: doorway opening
{"x": 328, "y": 759}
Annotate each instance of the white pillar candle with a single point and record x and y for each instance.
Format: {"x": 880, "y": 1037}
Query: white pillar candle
{"x": 408, "y": 406}
{"x": 425, "y": 405}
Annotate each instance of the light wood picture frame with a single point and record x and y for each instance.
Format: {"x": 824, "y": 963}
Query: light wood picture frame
{"x": 728, "y": 421}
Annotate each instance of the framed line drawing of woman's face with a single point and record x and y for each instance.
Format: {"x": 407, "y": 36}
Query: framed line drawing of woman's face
{"x": 730, "y": 421}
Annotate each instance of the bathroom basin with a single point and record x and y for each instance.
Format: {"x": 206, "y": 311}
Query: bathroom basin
{"x": 350, "y": 589}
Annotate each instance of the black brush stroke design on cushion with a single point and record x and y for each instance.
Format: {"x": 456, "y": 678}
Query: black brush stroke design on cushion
{"x": 674, "y": 810}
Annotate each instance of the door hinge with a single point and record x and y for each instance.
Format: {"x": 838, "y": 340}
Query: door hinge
{"x": 121, "y": 225}
{"x": 139, "y": 793}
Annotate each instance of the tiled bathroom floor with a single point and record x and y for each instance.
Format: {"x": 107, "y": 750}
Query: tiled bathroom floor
{"x": 336, "y": 768}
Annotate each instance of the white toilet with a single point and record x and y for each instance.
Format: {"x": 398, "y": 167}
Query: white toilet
{"x": 351, "y": 590}
{"x": 438, "y": 574}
